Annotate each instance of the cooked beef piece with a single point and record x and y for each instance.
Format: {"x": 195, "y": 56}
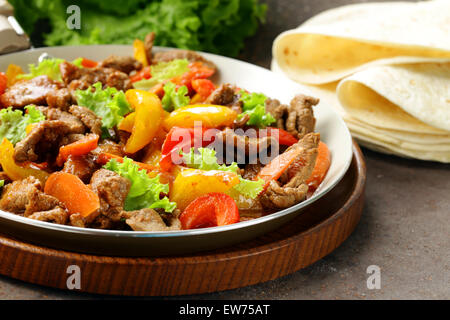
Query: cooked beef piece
{"x": 34, "y": 91}
{"x": 291, "y": 187}
{"x": 61, "y": 99}
{"x": 44, "y": 140}
{"x": 242, "y": 148}
{"x": 77, "y": 220}
{"x": 88, "y": 118}
{"x": 297, "y": 118}
{"x": 4, "y": 177}
{"x": 82, "y": 166}
{"x": 189, "y": 55}
{"x": 74, "y": 123}
{"x": 26, "y": 197}
{"x": 242, "y": 122}
{"x": 251, "y": 170}
{"x": 225, "y": 95}
{"x": 57, "y": 215}
{"x": 125, "y": 64}
{"x": 148, "y": 43}
{"x": 77, "y": 78}
{"x": 112, "y": 190}
{"x": 108, "y": 146}
{"x": 149, "y": 220}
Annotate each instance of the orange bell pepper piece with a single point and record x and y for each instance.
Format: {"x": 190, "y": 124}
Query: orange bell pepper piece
{"x": 210, "y": 116}
{"x": 323, "y": 162}
{"x": 12, "y": 72}
{"x": 77, "y": 148}
{"x": 140, "y": 52}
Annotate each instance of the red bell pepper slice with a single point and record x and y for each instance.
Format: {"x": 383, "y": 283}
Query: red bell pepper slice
{"x": 181, "y": 139}
{"x": 3, "y": 82}
{"x": 204, "y": 87}
{"x": 284, "y": 137}
{"x": 211, "y": 210}
{"x": 87, "y": 63}
{"x": 144, "y": 73}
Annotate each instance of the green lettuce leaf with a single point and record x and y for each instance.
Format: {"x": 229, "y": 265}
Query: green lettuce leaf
{"x": 145, "y": 192}
{"x": 110, "y": 104}
{"x": 254, "y": 106}
{"x": 2, "y": 183}
{"x": 174, "y": 98}
{"x": 48, "y": 67}
{"x": 14, "y": 122}
{"x": 163, "y": 71}
{"x": 205, "y": 159}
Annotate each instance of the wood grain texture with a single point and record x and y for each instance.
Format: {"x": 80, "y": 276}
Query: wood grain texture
{"x": 306, "y": 239}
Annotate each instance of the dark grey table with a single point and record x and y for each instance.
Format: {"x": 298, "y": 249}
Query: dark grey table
{"x": 404, "y": 230}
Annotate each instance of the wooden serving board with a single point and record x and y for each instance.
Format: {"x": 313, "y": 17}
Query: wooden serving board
{"x": 312, "y": 235}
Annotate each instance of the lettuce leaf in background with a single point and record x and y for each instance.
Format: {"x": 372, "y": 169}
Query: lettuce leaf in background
{"x": 218, "y": 26}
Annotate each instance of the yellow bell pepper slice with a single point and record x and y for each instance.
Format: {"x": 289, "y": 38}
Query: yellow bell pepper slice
{"x": 140, "y": 52}
{"x": 193, "y": 183}
{"x": 12, "y": 72}
{"x": 127, "y": 123}
{"x": 210, "y": 116}
{"x": 148, "y": 118}
{"x": 12, "y": 169}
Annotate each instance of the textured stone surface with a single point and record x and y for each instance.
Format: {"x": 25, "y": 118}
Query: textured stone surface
{"x": 404, "y": 229}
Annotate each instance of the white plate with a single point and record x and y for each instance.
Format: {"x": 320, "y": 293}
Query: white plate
{"x": 131, "y": 243}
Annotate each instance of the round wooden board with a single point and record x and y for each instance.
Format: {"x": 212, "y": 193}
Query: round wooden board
{"x": 309, "y": 237}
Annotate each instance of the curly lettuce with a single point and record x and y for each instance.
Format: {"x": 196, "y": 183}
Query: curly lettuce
{"x": 163, "y": 71}
{"x": 205, "y": 159}
{"x": 174, "y": 98}
{"x": 254, "y": 106}
{"x": 48, "y": 67}
{"x": 13, "y": 123}
{"x": 145, "y": 192}
{"x": 110, "y": 104}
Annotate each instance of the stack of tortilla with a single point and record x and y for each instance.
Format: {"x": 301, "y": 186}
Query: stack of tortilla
{"x": 386, "y": 69}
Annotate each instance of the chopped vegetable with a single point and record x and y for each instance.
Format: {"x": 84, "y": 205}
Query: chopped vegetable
{"x": 210, "y": 210}
{"x": 145, "y": 192}
{"x": 13, "y": 123}
{"x": 254, "y": 106}
{"x": 323, "y": 162}
{"x": 73, "y": 193}
{"x": 77, "y": 148}
{"x": 12, "y": 73}
{"x": 275, "y": 168}
{"x": 48, "y": 67}
{"x": 140, "y": 52}
{"x": 144, "y": 73}
{"x": 13, "y": 170}
{"x": 204, "y": 88}
{"x": 193, "y": 183}
{"x": 163, "y": 71}
{"x": 3, "y": 82}
{"x": 2, "y": 183}
{"x": 86, "y": 63}
{"x": 205, "y": 159}
{"x": 109, "y": 104}
{"x": 148, "y": 119}
{"x": 104, "y": 158}
{"x": 207, "y": 115}
{"x": 127, "y": 123}
{"x": 174, "y": 98}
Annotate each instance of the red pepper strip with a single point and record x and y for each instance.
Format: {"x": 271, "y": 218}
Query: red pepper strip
{"x": 3, "y": 82}
{"x": 284, "y": 137}
{"x": 145, "y": 73}
{"x": 89, "y": 63}
{"x": 181, "y": 139}
{"x": 210, "y": 210}
{"x": 77, "y": 148}
{"x": 275, "y": 168}
{"x": 203, "y": 87}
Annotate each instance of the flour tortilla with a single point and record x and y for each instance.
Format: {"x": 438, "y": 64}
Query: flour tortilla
{"x": 342, "y": 41}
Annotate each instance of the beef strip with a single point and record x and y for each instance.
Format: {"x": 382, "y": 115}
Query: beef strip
{"x": 291, "y": 187}
{"x": 189, "y": 55}
{"x": 149, "y": 220}
{"x": 242, "y": 148}
{"x": 108, "y": 146}
{"x": 112, "y": 190}
{"x": 82, "y": 166}
{"x": 225, "y": 95}
{"x": 297, "y": 118}
{"x": 25, "y": 197}
{"x": 88, "y": 118}
{"x": 45, "y": 139}
{"x": 61, "y": 99}
{"x": 74, "y": 123}
{"x": 34, "y": 91}
{"x": 125, "y": 64}
{"x": 57, "y": 215}
{"x": 148, "y": 43}
{"x": 77, "y": 78}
